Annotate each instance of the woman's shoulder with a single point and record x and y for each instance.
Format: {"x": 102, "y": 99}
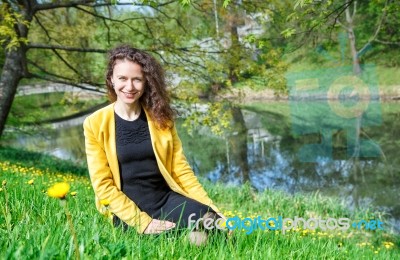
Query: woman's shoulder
{"x": 107, "y": 110}
{"x": 101, "y": 114}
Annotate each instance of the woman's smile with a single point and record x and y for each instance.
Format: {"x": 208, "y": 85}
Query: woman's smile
{"x": 129, "y": 94}
{"x": 128, "y": 81}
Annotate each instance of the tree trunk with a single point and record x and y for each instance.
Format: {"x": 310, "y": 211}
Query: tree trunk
{"x": 15, "y": 66}
{"x": 354, "y": 53}
{"x": 11, "y": 74}
{"x": 238, "y": 144}
{"x": 233, "y": 52}
{"x": 352, "y": 40}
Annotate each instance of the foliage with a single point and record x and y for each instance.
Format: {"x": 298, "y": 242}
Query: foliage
{"x": 9, "y": 38}
{"x": 67, "y": 27}
{"x": 319, "y": 23}
{"x": 216, "y": 117}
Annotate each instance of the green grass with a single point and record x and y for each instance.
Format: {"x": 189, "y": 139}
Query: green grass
{"x": 34, "y": 226}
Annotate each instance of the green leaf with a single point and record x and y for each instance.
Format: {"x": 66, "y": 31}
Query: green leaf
{"x": 226, "y": 3}
{"x": 185, "y": 2}
{"x": 288, "y": 32}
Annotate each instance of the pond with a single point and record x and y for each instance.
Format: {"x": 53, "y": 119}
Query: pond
{"x": 295, "y": 146}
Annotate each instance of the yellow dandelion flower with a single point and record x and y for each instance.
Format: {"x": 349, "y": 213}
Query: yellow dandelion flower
{"x": 271, "y": 224}
{"x": 30, "y": 182}
{"x": 58, "y": 190}
{"x": 376, "y": 252}
{"x": 73, "y": 193}
{"x": 390, "y": 244}
{"x": 105, "y": 202}
{"x": 222, "y": 224}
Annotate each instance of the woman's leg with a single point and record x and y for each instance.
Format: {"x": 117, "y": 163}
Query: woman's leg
{"x": 186, "y": 212}
{"x": 180, "y": 210}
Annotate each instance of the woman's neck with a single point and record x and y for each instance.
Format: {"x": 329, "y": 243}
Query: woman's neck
{"x": 128, "y": 112}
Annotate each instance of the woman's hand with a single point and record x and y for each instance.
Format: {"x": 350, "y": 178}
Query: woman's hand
{"x": 157, "y": 226}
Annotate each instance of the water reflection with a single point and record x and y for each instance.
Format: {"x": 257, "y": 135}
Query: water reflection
{"x": 359, "y": 163}
{"x": 65, "y": 143}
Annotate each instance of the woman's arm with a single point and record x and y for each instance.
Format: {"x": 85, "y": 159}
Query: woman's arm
{"x": 104, "y": 185}
{"x": 184, "y": 175}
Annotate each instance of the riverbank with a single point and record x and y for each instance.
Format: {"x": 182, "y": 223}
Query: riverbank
{"x": 27, "y": 213}
{"x": 247, "y": 94}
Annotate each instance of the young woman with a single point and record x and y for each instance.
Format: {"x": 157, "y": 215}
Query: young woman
{"x": 134, "y": 154}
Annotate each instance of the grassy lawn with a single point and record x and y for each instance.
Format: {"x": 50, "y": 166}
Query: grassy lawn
{"x": 33, "y": 225}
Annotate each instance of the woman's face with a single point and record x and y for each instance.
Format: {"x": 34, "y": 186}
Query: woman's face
{"x": 128, "y": 81}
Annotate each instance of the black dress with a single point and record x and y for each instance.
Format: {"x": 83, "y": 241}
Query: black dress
{"x": 141, "y": 179}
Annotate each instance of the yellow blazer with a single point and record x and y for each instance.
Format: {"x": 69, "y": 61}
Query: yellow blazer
{"x": 99, "y": 130}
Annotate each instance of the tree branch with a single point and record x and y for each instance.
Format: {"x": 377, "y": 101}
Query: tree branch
{"x": 90, "y": 3}
{"x": 33, "y": 75}
{"x": 354, "y": 10}
{"x": 386, "y": 42}
{"x": 349, "y": 18}
{"x": 340, "y": 23}
{"x": 47, "y": 72}
{"x": 377, "y": 29}
{"x": 109, "y": 19}
{"x": 169, "y": 17}
{"x": 108, "y": 27}
{"x": 150, "y": 31}
{"x": 43, "y": 28}
{"x": 188, "y": 61}
{"x": 65, "y": 48}
{"x": 66, "y": 62}
{"x": 63, "y": 77}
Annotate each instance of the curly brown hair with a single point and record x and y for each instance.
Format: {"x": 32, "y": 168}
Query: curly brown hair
{"x": 155, "y": 98}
